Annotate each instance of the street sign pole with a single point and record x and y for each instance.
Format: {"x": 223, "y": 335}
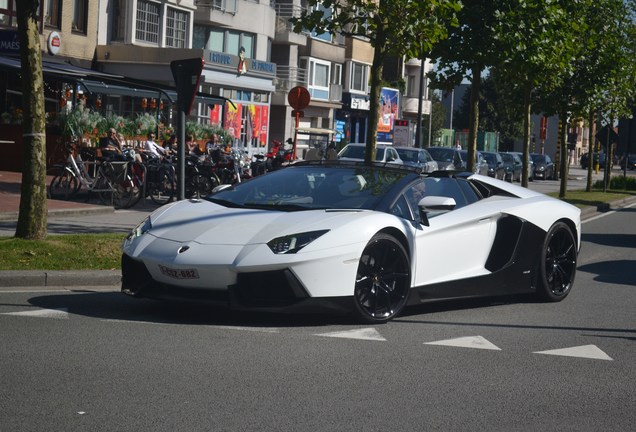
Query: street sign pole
{"x": 187, "y": 74}
{"x": 298, "y": 99}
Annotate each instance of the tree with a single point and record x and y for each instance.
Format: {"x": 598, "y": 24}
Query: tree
{"x": 603, "y": 74}
{"x": 499, "y": 109}
{"x": 401, "y": 28}
{"x": 468, "y": 50}
{"x": 537, "y": 45}
{"x": 32, "y": 218}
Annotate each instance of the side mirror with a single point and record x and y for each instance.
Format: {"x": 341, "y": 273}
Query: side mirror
{"x": 434, "y": 204}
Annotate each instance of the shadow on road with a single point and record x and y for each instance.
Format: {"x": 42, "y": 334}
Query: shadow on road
{"x": 612, "y": 272}
{"x": 117, "y": 306}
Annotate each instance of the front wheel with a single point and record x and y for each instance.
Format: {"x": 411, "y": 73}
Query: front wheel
{"x": 382, "y": 280}
{"x": 558, "y": 264}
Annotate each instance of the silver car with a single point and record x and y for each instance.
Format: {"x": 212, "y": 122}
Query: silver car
{"x": 417, "y": 157}
{"x": 383, "y": 153}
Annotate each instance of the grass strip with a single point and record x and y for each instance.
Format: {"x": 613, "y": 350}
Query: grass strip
{"x": 62, "y": 252}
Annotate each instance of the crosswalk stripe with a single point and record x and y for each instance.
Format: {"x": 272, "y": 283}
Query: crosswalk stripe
{"x": 362, "y": 334}
{"x": 583, "y": 351}
{"x": 477, "y": 342}
{"x": 42, "y": 313}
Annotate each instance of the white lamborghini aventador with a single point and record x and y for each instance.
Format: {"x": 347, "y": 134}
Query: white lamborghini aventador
{"x": 369, "y": 239}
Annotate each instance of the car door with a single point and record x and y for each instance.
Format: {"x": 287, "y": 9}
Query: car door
{"x": 456, "y": 244}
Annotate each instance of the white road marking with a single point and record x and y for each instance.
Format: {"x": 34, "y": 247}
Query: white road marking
{"x": 362, "y": 334}
{"x": 477, "y": 342}
{"x": 584, "y": 351}
{"x": 42, "y": 313}
{"x": 602, "y": 215}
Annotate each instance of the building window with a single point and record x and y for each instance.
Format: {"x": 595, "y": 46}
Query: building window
{"x": 118, "y": 21}
{"x": 359, "y": 77}
{"x": 336, "y": 76}
{"x": 80, "y": 16}
{"x": 221, "y": 40}
{"x": 53, "y": 13}
{"x": 326, "y": 16}
{"x": 177, "y": 27}
{"x": 147, "y": 22}
{"x": 8, "y": 13}
{"x": 319, "y": 73}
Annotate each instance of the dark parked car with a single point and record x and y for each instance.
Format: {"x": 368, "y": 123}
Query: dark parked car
{"x": 495, "y": 163}
{"x": 543, "y": 166}
{"x": 600, "y": 158}
{"x": 481, "y": 166}
{"x": 417, "y": 157}
{"x": 447, "y": 158}
{"x": 513, "y": 166}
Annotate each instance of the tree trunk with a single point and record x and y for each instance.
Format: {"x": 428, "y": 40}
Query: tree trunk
{"x": 473, "y": 121}
{"x": 591, "y": 141}
{"x": 563, "y": 169}
{"x": 32, "y": 218}
{"x": 526, "y": 134}
{"x": 374, "y": 102}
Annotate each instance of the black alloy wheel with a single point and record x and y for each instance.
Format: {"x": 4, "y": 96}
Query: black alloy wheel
{"x": 558, "y": 263}
{"x": 382, "y": 280}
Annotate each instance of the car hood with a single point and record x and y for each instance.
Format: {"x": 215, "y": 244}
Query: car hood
{"x": 208, "y": 223}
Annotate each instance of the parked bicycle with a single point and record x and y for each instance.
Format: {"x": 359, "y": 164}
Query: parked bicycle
{"x": 110, "y": 181}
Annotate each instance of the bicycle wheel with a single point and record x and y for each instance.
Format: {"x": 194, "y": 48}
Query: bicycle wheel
{"x": 103, "y": 185}
{"x": 63, "y": 185}
{"x": 124, "y": 191}
{"x": 163, "y": 189}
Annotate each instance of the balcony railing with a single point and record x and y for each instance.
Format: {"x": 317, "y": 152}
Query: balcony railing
{"x": 288, "y": 77}
{"x": 283, "y": 13}
{"x": 228, "y": 6}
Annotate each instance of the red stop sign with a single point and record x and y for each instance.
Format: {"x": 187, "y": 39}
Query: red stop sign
{"x": 299, "y": 98}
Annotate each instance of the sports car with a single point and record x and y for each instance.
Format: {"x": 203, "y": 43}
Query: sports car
{"x": 365, "y": 239}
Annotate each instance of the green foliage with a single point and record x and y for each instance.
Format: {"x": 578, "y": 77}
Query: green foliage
{"x": 618, "y": 182}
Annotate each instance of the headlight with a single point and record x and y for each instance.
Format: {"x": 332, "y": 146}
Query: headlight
{"x": 140, "y": 229}
{"x": 293, "y": 243}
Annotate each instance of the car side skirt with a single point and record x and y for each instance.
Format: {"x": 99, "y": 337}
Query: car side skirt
{"x": 512, "y": 263}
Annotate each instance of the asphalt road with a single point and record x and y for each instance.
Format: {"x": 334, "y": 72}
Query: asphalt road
{"x": 99, "y": 361}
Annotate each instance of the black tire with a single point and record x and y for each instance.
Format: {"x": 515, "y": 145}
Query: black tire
{"x": 63, "y": 185}
{"x": 557, "y": 267}
{"x": 198, "y": 186}
{"x": 383, "y": 280}
{"x": 162, "y": 191}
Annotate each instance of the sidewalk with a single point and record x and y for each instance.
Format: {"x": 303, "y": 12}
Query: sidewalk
{"x": 10, "y": 183}
{"x": 77, "y": 216}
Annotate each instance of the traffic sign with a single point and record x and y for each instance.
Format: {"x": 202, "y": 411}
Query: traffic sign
{"x": 299, "y": 98}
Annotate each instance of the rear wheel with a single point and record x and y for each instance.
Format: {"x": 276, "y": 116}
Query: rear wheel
{"x": 382, "y": 281}
{"x": 558, "y": 263}
{"x": 63, "y": 185}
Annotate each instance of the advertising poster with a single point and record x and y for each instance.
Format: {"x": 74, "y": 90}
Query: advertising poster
{"x": 389, "y": 99}
{"x": 215, "y": 115}
{"x": 233, "y": 120}
{"x": 263, "y": 125}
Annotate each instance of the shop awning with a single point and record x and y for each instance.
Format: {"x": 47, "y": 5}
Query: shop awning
{"x": 106, "y": 83}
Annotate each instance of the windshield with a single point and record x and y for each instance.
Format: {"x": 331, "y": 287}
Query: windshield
{"x": 408, "y": 155}
{"x": 441, "y": 154}
{"x": 537, "y": 158}
{"x": 312, "y": 187}
{"x": 357, "y": 152}
{"x": 490, "y": 158}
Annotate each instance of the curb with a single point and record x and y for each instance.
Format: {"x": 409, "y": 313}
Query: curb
{"x": 59, "y": 278}
{"x": 89, "y": 211}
